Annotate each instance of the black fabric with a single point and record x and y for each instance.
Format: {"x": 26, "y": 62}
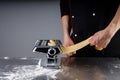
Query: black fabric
{"x": 64, "y": 7}
{"x": 85, "y": 24}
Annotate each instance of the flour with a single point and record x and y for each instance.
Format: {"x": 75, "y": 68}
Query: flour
{"x": 28, "y": 72}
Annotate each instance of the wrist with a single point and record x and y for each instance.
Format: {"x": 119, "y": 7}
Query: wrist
{"x": 66, "y": 36}
{"x": 111, "y": 29}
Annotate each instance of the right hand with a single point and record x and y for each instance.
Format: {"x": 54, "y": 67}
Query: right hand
{"x": 68, "y": 42}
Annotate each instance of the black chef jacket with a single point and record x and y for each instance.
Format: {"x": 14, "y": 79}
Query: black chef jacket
{"x": 86, "y": 18}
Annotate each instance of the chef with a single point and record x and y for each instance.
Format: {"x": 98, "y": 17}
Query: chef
{"x": 97, "y": 19}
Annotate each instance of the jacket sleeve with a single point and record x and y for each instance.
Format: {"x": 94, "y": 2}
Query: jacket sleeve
{"x": 64, "y": 7}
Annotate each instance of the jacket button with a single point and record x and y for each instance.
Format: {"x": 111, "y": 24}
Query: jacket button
{"x": 72, "y": 16}
{"x": 75, "y": 35}
{"x": 93, "y": 14}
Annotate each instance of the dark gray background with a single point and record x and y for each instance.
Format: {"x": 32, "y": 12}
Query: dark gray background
{"x": 22, "y": 22}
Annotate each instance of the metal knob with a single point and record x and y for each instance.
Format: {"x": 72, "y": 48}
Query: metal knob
{"x": 51, "y": 51}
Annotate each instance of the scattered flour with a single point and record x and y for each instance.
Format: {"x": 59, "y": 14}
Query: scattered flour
{"x": 28, "y": 72}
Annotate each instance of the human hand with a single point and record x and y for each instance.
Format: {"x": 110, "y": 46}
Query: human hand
{"x": 68, "y": 42}
{"x": 101, "y": 39}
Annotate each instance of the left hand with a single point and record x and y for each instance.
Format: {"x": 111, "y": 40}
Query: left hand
{"x": 101, "y": 39}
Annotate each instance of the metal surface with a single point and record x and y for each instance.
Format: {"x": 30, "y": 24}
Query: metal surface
{"x": 71, "y": 69}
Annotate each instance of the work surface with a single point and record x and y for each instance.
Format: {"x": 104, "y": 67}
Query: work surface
{"x": 71, "y": 69}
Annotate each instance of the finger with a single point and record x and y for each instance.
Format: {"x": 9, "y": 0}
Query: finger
{"x": 92, "y": 42}
{"x": 70, "y": 54}
{"x": 74, "y": 52}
